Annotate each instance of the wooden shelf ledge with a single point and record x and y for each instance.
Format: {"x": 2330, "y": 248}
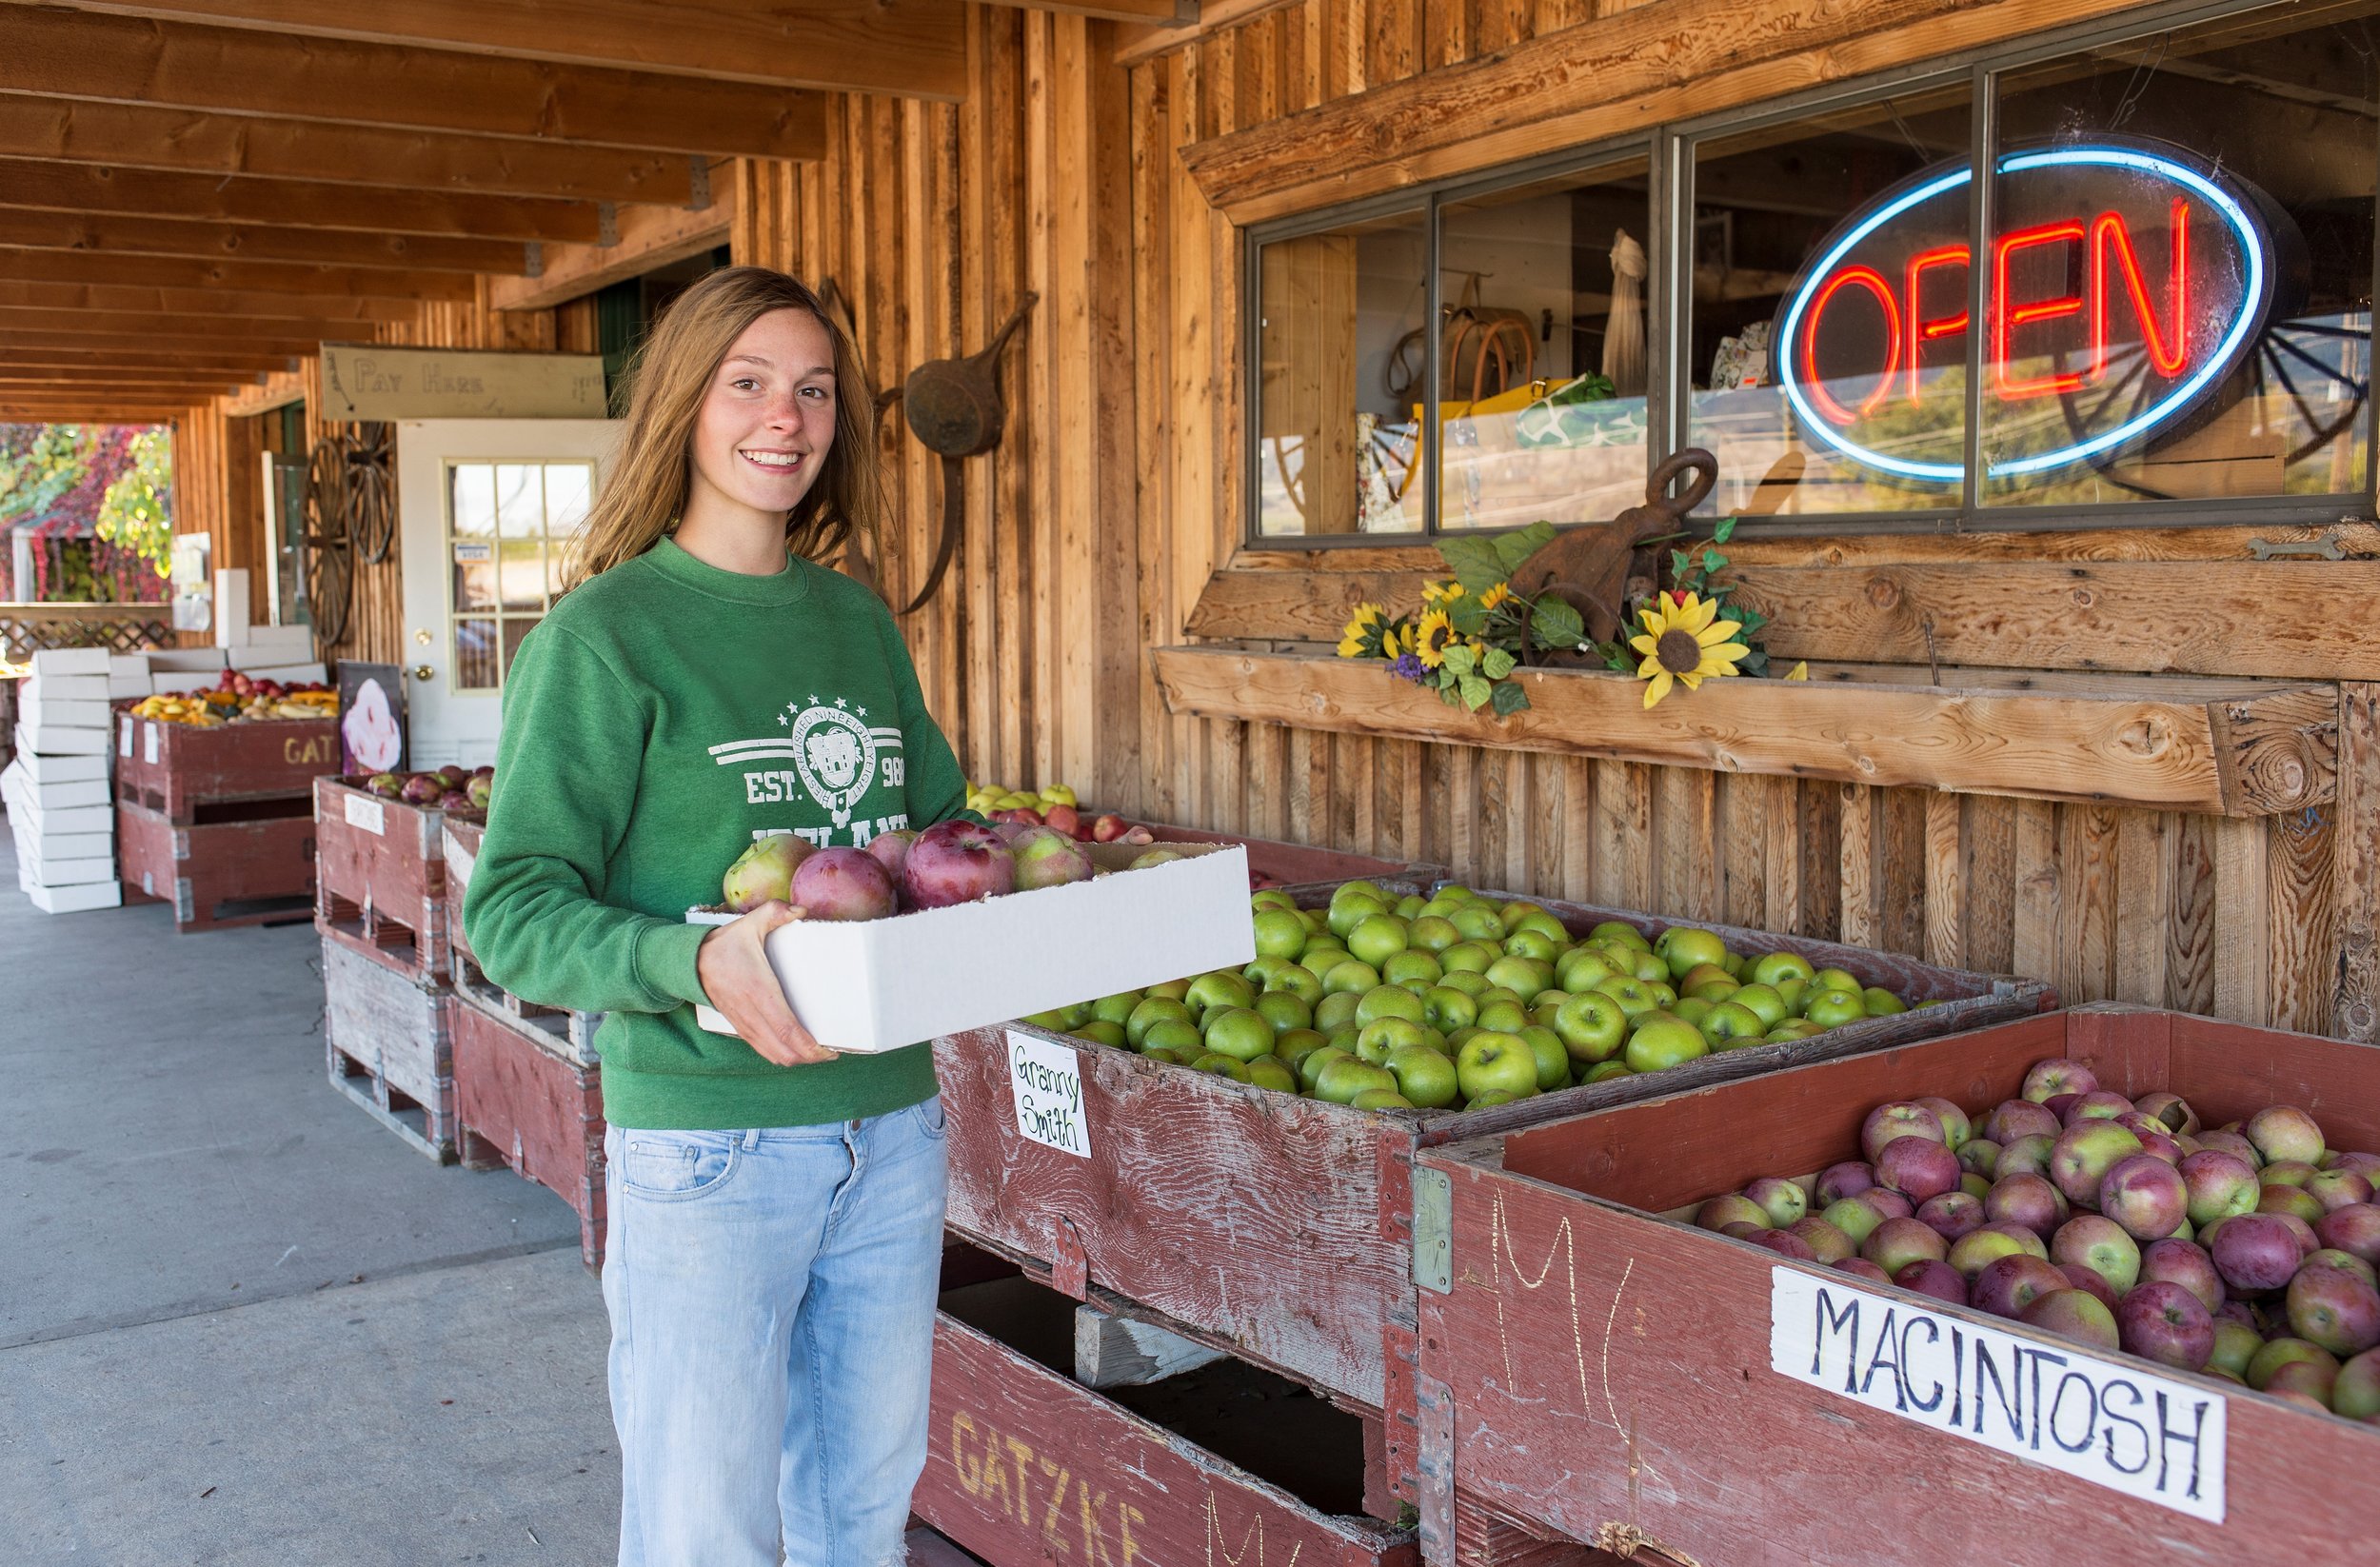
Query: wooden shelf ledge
{"x": 2222, "y": 748}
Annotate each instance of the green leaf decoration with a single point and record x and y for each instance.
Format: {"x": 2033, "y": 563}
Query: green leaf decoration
{"x": 1461, "y": 660}
{"x": 1553, "y": 624}
{"x": 1712, "y": 559}
{"x": 1679, "y": 563}
{"x": 1725, "y": 531}
{"x": 1513, "y": 548}
{"x": 1476, "y": 692}
{"x": 1497, "y": 663}
{"x": 1475, "y": 563}
{"x": 1509, "y": 699}
{"x": 1467, "y": 616}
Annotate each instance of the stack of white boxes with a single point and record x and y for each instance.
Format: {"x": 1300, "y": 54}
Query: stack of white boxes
{"x": 57, "y": 789}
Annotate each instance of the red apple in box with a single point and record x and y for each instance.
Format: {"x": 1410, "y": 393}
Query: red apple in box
{"x": 1065, "y": 819}
{"x": 958, "y": 862}
{"x": 2165, "y": 1322}
{"x": 1021, "y": 816}
{"x": 1107, "y": 828}
{"x": 843, "y": 884}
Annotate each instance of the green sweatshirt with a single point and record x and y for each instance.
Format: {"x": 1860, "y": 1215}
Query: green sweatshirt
{"x": 660, "y": 718}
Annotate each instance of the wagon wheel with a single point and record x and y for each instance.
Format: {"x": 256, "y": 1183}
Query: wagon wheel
{"x": 2129, "y": 392}
{"x": 371, "y": 491}
{"x": 329, "y": 551}
{"x": 2274, "y": 356}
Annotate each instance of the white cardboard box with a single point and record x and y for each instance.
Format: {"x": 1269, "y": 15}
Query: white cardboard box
{"x": 40, "y": 711}
{"x": 879, "y": 984}
{"x": 278, "y": 644}
{"x": 47, "y": 797}
{"x": 76, "y": 900}
{"x": 230, "y": 606}
{"x": 50, "y": 741}
{"x": 57, "y": 769}
{"x": 66, "y": 819}
{"x": 70, "y": 661}
{"x": 136, "y": 684}
{"x": 73, "y": 845}
{"x": 64, "y": 873}
{"x": 65, "y": 688}
{"x": 175, "y": 660}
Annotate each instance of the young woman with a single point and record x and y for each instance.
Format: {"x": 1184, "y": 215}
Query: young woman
{"x": 775, "y": 1210}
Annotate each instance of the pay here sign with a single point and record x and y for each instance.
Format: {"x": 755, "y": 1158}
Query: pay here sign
{"x": 2112, "y": 1422}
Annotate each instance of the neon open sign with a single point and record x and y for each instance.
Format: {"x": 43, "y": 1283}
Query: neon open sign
{"x": 2124, "y": 281}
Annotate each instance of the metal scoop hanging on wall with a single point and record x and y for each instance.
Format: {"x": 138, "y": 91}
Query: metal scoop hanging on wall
{"x": 954, "y": 407}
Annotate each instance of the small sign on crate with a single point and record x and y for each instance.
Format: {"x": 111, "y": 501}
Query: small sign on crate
{"x": 1045, "y": 1080}
{"x": 2114, "y": 1424}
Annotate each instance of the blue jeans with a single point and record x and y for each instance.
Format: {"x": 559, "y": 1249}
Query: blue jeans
{"x": 772, "y": 1332}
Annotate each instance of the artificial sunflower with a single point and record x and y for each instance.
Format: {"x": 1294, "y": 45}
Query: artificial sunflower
{"x": 1440, "y": 592}
{"x": 1431, "y": 637}
{"x": 1495, "y": 594}
{"x": 1355, "y": 637}
{"x": 1390, "y": 643}
{"x": 1685, "y": 642}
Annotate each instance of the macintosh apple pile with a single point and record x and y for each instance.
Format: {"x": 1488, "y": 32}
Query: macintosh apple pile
{"x": 1384, "y": 1002}
{"x": 2243, "y": 1251}
{"x": 949, "y": 862}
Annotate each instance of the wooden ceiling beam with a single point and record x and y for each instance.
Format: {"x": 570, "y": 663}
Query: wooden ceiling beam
{"x": 175, "y": 139}
{"x": 102, "y": 58}
{"x": 648, "y": 237}
{"x": 87, "y": 410}
{"x": 12, "y": 369}
{"x": 174, "y": 236}
{"x": 916, "y": 49}
{"x": 41, "y": 332}
{"x": 249, "y": 287}
{"x": 205, "y": 311}
{"x": 223, "y": 362}
{"x": 131, "y": 389}
{"x": 294, "y": 204}
{"x": 1163, "y": 13}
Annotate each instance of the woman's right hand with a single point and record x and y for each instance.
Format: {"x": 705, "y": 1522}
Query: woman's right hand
{"x": 732, "y": 962}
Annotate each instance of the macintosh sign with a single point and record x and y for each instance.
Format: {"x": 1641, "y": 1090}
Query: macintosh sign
{"x": 2123, "y": 282}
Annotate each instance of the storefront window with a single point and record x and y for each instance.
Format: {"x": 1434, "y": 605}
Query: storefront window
{"x": 508, "y": 526}
{"x": 1543, "y": 351}
{"x": 1340, "y": 361}
{"x": 2182, "y": 282}
{"x": 2153, "y": 290}
{"x": 1824, "y": 358}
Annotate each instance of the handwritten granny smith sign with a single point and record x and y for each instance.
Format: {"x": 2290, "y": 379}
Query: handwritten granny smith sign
{"x": 1045, "y": 1080}
{"x": 2110, "y": 1421}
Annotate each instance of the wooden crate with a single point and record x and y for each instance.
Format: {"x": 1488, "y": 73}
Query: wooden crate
{"x": 1592, "y": 1366}
{"x": 1223, "y": 1464}
{"x": 180, "y": 770}
{"x": 1280, "y": 1228}
{"x": 218, "y": 874}
{"x": 574, "y": 1033}
{"x": 381, "y": 874}
{"x": 1272, "y": 863}
{"x": 522, "y": 1101}
{"x": 391, "y": 1044}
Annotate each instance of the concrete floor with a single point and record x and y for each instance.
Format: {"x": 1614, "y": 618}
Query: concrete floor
{"x": 241, "y": 1322}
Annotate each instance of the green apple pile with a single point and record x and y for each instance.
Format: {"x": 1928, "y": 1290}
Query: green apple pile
{"x": 1384, "y": 1002}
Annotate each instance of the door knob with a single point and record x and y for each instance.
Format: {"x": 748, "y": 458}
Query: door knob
{"x": 423, "y": 671}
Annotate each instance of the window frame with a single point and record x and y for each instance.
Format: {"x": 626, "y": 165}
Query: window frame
{"x": 498, "y": 617}
{"x": 1669, "y": 150}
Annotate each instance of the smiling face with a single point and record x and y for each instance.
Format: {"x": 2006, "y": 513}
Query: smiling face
{"x": 767, "y": 420}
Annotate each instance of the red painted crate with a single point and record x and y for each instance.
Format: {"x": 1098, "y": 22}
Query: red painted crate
{"x": 181, "y": 769}
{"x": 524, "y": 1101}
{"x": 1273, "y": 863}
{"x": 1223, "y": 1464}
{"x": 391, "y": 1043}
{"x": 218, "y": 874}
{"x": 381, "y": 874}
{"x": 573, "y": 1032}
{"x": 1642, "y": 1393}
{"x": 1280, "y": 1228}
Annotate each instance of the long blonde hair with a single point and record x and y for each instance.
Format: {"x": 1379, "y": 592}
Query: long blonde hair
{"x": 646, "y": 491}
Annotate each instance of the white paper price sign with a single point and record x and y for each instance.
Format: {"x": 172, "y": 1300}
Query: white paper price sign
{"x": 148, "y": 741}
{"x": 2113, "y": 1422}
{"x": 1045, "y": 1080}
{"x": 365, "y": 812}
{"x": 123, "y": 738}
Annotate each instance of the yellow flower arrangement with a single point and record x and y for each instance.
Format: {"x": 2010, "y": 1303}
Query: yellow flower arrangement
{"x": 1431, "y": 635}
{"x": 1495, "y": 594}
{"x": 1354, "y": 638}
{"x": 1440, "y": 592}
{"x": 1685, "y": 642}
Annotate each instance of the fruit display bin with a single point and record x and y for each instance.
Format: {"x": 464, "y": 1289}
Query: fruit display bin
{"x": 523, "y": 1100}
{"x": 218, "y": 874}
{"x": 391, "y": 1043}
{"x": 190, "y": 774}
{"x": 571, "y": 1033}
{"x": 1273, "y": 863}
{"x": 380, "y": 874}
{"x": 1607, "y": 1373}
{"x": 1282, "y": 1229}
{"x": 1221, "y": 1463}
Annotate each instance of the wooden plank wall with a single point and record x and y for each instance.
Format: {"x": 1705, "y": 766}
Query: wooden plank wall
{"x": 1058, "y": 173}
{"x": 934, "y": 219}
